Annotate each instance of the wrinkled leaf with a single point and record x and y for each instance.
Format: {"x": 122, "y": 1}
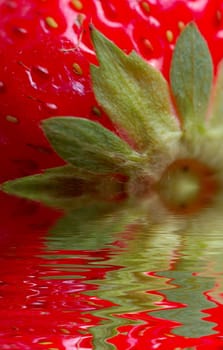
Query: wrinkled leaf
{"x": 191, "y": 78}
{"x": 88, "y": 145}
{"x": 65, "y": 187}
{"x": 216, "y": 119}
{"x": 57, "y": 187}
{"x": 134, "y": 95}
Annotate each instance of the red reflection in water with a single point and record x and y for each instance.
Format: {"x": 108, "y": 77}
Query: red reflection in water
{"x": 39, "y": 312}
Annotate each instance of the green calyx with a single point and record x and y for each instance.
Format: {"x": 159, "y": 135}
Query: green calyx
{"x": 136, "y": 97}
{"x": 89, "y": 146}
{"x": 191, "y": 77}
{"x": 180, "y": 188}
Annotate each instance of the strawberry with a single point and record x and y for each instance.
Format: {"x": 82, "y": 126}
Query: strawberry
{"x": 171, "y": 161}
{"x": 153, "y": 151}
{"x": 45, "y": 51}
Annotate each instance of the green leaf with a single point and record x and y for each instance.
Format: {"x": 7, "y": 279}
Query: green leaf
{"x": 65, "y": 187}
{"x": 216, "y": 120}
{"x": 57, "y": 187}
{"x": 134, "y": 95}
{"x": 89, "y": 146}
{"x": 191, "y": 78}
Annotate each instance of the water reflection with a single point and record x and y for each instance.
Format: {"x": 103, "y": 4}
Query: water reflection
{"x": 159, "y": 266}
{"x": 109, "y": 276}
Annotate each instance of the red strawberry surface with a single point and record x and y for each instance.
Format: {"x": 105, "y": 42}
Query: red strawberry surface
{"x": 45, "y": 53}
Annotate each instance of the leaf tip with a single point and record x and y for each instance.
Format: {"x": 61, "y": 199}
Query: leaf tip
{"x": 100, "y": 41}
{"x": 48, "y": 124}
{"x": 191, "y": 26}
{"x": 91, "y": 27}
{"x": 8, "y": 187}
{"x": 94, "y": 34}
{"x": 44, "y": 124}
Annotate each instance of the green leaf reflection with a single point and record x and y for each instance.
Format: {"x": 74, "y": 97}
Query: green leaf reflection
{"x": 188, "y": 290}
{"x": 91, "y": 227}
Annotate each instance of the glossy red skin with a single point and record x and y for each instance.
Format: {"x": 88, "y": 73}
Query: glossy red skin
{"x": 36, "y": 76}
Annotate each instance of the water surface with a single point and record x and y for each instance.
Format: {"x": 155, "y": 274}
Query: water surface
{"x": 109, "y": 277}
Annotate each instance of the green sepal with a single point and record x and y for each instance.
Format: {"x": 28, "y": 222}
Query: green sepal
{"x": 57, "y": 187}
{"x": 134, "y": 95}
{"x": 89, "y": 146}
{"x": 66, "y": 187}
{"x": 191, "y": 76}
{"x": 216, "y": 119}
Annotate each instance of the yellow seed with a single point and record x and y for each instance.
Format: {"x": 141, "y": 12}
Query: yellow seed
{"x": 80, "y": 19}
{"x": 169, "y": 335}
{"x": 85, "y": 319}
{"x": 77, "y": 69}
{"x": 12, "y": 119}
{"x": 65, "y": 331}
{"x": 77, "y": 4}
{"x": 148, "y": 44}
{"x": 169, "y": 36}
{"x": 181, "y": 25}
{"x": 145, "y": 6}
{"x": 50, "y": 21}
{"x": 45, "y": 343}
